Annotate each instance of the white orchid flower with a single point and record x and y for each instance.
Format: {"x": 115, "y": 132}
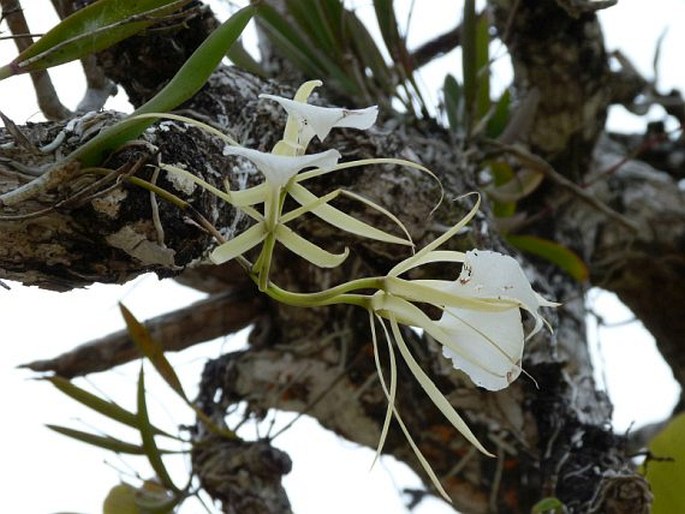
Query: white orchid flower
{"x": 495, "y": 338}
{"x": 278, "y": 170}
{"x": 306, "y": 121}
{"x": 283, "y": 173}
{"x": 480, "y": 328}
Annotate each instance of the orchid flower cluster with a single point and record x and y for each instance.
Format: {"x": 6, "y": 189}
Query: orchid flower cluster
{"x": 480, "y": 328}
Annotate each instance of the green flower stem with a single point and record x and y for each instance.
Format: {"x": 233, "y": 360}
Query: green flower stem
{"x": 335, "y": 295}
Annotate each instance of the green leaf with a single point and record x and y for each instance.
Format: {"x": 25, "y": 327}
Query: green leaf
{"x": 104, "y": 407}
{"x": 154, "y": 455}
{"x": 502, "y": 173}
{"x": 150, "y": 498}
{"x": 454, "y": 104}
{"x": 469, "y": 62}
{"x": 387, "y": 22}
{"x": 523, "y": 183}
{"x": 188, "y": 81}
{"x": 564, "y": 257}
{"x": 242, "y": 59}
{"x": 121, "y": 499}
{"x": 482, "y": 49}
{"x": 549, "y": 505}
{"x": 301, "y": 47}
{"x": 293, "y": 45}
{"x": 370, "y": 57}
{"x": 665, "y": 472}
{"x": 475, "y": 65}
{"x": 89, "y": 30}
{"x": 153, "y": 350}
{"x": 105, "y": 442}
{"x": 500, "y": 116}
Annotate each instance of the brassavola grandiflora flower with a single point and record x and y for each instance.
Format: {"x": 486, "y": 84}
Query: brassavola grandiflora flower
{"x": 283, "y": 170}
{"x": 480, "y": 326}
{"x": 488, "y": 344}
{"x": 307, "y": 121}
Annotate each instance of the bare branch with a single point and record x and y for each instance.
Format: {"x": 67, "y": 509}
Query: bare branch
{"x": 201, "y": 321}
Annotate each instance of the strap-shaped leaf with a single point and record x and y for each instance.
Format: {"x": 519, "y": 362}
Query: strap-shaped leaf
{"x": 104, "y": 407}
{"x": 153, "y": 453}
{"x": 89, "y": 30}
{"x": 153, "y": 350}
{"x": 562, "y": 256}
{"x": 105, "y": 442}
{"x": 187, "y": 81}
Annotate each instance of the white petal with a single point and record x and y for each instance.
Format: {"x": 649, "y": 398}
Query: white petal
{"x": 487, "y": 346}
{"x": 492, "y": 275}
{"x": 320, "y": 120}
{"x": 279, "y": 169}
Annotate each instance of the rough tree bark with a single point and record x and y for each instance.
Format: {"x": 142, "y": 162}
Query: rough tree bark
{"x": 552, "y": 437}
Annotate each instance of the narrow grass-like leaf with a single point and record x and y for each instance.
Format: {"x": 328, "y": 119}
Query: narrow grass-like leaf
{"x": 104, "y": 407}
{"x": 500, "y": 116}
{"x": 105, "y": 442}
{"x": 239, "y": 56}
{"x": 387, "y": 22}
{"x": 187, "y": 81}
{"x": 482, "y": 50}
{"x": 153, "y": 350}
{"x": 300, "y": 50}
{"x": 469, "y": 62}
{"x": 321, "y": 21}
{"x": 562, "y": 256}
{"x": 370, "y": 57}
{"x": 147, "y": 435}
{"x": 453, "y": 95}
{"x": 296, "y": 49}
{"x": 91, "y": 29}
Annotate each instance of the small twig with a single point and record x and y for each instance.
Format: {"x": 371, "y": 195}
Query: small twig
{"x": 201, "y": 321}
{"x": 539, "y": 164}
{"x": 436, "y": 47}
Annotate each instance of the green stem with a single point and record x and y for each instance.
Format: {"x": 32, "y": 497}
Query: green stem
{"x": 335, "y": 295}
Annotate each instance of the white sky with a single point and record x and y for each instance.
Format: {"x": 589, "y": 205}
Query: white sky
{"x": 44, "y": 472}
